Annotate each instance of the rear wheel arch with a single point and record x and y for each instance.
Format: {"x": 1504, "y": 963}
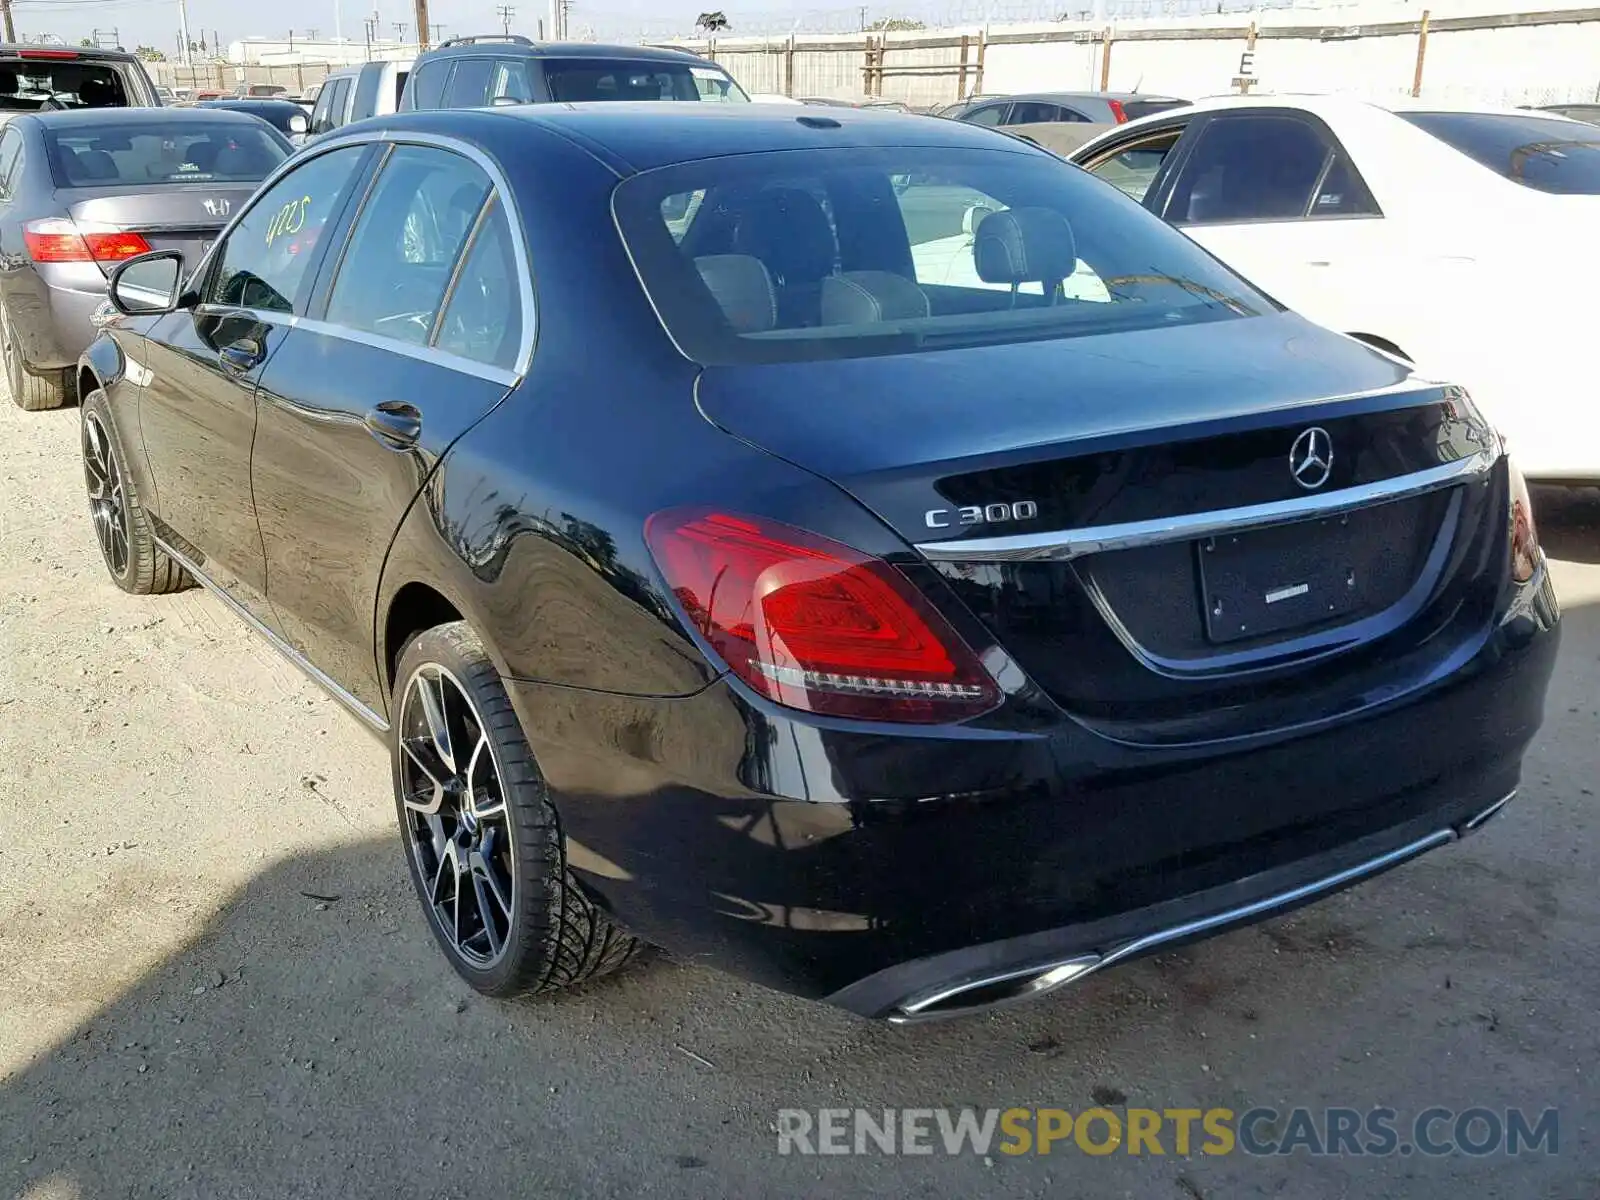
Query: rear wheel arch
{"x": 414, "y": 608}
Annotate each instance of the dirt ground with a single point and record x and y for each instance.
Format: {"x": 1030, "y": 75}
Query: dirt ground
{"x": 215, "y": 982}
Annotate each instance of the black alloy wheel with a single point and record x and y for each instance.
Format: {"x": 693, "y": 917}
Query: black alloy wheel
{"x": 481, "y": 833}
{"x": 107, "y": 501}
{"x": 455, "y": 811}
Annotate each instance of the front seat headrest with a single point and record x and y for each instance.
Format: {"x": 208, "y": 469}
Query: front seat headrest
{"x": 743, "y": 290}
{"x": 1025, "y": 245}
{"x": 867, "y": 297}
{"x": 787, "y": 229}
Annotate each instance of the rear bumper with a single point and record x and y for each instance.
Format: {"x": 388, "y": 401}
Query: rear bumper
{"x": 54, "y": 325}
{"x": 878, "y": 871}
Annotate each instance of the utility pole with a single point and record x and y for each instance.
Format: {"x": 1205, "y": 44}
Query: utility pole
{"x": 438, "y": 30}
{"x": 505, "y": 12}
{"x": 183, "y": 30}
{"x": 420, "y": 12}
{"x": 400, "y": 28}
{"x": 555, "y": 21}
{"x": 11, "y": 30}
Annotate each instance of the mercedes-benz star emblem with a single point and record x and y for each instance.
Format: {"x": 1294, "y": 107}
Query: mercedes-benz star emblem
{"x": 1311, "y": 458}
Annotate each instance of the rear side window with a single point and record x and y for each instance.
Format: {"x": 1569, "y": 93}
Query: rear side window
{"x": 820, "y": 254}
{"x": 406, "y": 242}
{"x": 469, "y": 86}
{"x": 1537, "y": 152}
{"x": 400, "y": 78}
{"x": 1264, "y": 168}
{"x": 427, "y": 84}
{"x": 579, "y": 79}
{"x": 511, "y": 81}
{"x": 484, "y": 319}
{"x": 49, "y": 84}
{"x": 194, "y": 152}
{"x": 1032, "y": 112}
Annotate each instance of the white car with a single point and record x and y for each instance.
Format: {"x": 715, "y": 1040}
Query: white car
{"x": 1466, "y": 240}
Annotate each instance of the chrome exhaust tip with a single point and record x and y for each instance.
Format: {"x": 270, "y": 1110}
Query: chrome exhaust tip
{"x": 986, "y": 993}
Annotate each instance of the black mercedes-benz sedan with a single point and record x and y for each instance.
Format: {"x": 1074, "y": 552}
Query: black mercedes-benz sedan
{"x": 862, "y": 552}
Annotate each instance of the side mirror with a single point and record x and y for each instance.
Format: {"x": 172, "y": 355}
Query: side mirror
{"x": 506, "y": 101}
{"x": 299, "y": 123}
{"x": 973, "y": 217}
{"x": 148, "y": 284}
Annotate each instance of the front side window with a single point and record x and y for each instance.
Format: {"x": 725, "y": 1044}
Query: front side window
{"x": 405, "y": 244}
{"x": 329, "y": 112}
{"x": 484, "y": 319}
{"x": 850, "y": 252}
{"x": 124, "y": 153}
{"x": 579, "y": 79}
{"x": 265, "y": 263}
{"x": 1261, "y": 168}
{"x": 510, "y": 82}
{"x": 1537, "y": 152}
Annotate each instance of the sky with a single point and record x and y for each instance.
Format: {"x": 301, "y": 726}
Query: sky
{"x": 155, "y": 22}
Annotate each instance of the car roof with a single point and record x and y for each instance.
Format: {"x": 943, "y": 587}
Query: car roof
{"x": 647, "y": 134}
{"x": 99, "y": 118}
{"x": 1087, "y": 96}
{"x": 1328, "y": 104}
{"x": 62, "y": 53}
{"x": 399, "y": 64}
{"x": 494, "y": 45}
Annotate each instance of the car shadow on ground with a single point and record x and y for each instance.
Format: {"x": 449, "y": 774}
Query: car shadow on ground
{"x": 310, "y": 1042}
{"x": 1569, "y": 522}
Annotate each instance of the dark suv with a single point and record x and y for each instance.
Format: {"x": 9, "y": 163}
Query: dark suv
{"x": 35, "y": 78}
{"x": 475, "y": 72}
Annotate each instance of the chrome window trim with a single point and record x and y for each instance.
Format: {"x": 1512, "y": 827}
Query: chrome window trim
{"x": 1065, "y": 545}
{"x": 330, "y": 142}
{"x": 427, "y": 354}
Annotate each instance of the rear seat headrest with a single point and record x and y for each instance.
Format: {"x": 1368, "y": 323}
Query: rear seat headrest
{"x": 743, "y": 290}
{"x": 1025, "y": 245}
{"x": 866, "y": 297}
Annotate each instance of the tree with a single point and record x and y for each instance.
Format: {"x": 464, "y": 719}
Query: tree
{"x": 712, "y": 22}
{"x": 149, "y": 54}
{"x": 89, "y": 42}
{"x": 895, "y": 25}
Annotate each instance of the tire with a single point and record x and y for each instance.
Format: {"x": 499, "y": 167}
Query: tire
{"x": 547, "y": 934}
{"x": 32, "y": 393}
{"x": 133, "y": 560}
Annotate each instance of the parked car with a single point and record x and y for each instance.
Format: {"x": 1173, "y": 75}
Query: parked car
{"x": 471, "y": 72}
{"x": 355, "y": 93}
{"x": 308, "y": 100}
{"x": 1423, "y": 229}
{"x": 1578, "y": 112}
{"x": 287, "y": 117}
{"x": 82, "y": 191}
{"x": 922, "y": 647}
{"x": 35, "y": 78}
{"x": 260, "y": 91}
{"x": 166, "y": 95}
{"x": 1037, "y": 108}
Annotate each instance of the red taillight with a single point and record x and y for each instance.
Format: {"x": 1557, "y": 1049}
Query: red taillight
{"x": 1118, "y": 111}
{"x": 60, "y": 241}
{"x": 1524, "y": 533}
{"x": 815, "y": 625}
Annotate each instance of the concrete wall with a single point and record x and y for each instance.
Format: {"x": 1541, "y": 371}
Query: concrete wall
{"x": 1476, "y": 50}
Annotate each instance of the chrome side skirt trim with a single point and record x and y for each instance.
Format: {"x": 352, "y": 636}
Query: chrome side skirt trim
{"x": 369, "y": 718}
{"x": 1038, "y": 979}
{"x": 1063, "y": 545}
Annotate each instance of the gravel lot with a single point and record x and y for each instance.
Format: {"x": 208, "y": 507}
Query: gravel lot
{"x": 214, "y": 980}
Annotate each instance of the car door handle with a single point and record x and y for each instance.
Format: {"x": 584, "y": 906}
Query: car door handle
{"x": 394, "y": 423}
{"x": 242, "y": 356}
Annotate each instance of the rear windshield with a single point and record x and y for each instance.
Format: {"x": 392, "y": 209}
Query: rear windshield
{"x": 1144, "y": 108}
{"x": 1542, "y": 153}
{"x": 198, "y": 152}
{"x": 846, "y": 253}
{"x": 575, "y": 79}
{"x": 36, "y": 84}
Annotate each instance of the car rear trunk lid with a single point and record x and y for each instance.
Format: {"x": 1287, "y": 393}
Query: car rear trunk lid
{"x": 1070, "y": 491}
{"x": 186, "y": 217}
